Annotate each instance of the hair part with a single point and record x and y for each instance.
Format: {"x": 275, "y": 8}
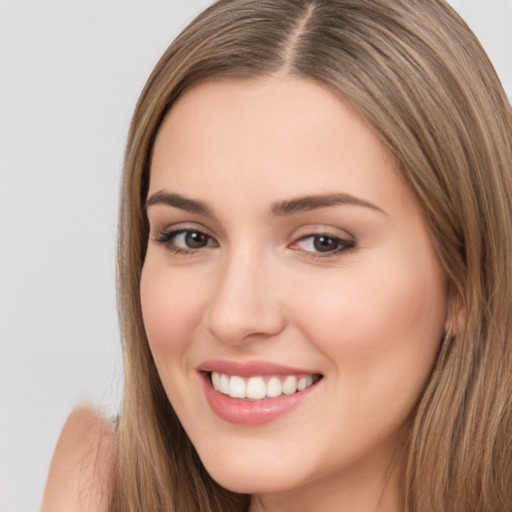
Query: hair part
{"x": 421, "y": 80}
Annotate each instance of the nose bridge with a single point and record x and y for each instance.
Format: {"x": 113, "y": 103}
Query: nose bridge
{"x": 244, "y": 303}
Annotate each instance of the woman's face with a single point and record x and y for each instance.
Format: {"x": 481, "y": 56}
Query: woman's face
{"x": 288, "y": 262}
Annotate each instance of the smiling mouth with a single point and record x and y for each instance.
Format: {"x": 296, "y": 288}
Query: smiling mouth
{"x": 261, "y": 387}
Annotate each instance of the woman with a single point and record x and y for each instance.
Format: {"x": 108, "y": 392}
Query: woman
{"x": 314, "y": 271}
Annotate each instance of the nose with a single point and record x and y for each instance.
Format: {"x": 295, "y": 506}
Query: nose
{"x": 245, "y": 305}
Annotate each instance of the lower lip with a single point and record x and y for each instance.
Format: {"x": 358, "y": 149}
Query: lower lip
{"x": 246, "y": 412}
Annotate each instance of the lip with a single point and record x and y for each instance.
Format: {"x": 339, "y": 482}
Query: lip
{"x": 251, "y": 368}
{"x": 247, "y": 412}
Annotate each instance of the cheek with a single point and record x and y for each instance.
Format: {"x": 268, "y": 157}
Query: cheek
{"x": 376, "y": 324}
{"x": 171, "y": 310}
{"x": 381, "y": 334}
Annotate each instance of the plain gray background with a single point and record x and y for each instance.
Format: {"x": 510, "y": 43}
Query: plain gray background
{"x": 70, "y": 75}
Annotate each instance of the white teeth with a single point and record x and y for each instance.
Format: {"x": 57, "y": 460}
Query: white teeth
{"x": 274, "y": 387}
{"x": 304, "y": 382}
{"x": 236, "y": 387}
{"x": 290, "y": 385}
{"x": 224, "y": 384}
{"x": 257, "y": 388}
{"x": 216, "y": 380}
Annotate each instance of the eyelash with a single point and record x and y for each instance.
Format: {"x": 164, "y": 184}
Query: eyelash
{"x": 343, "y": 246}
{"x": 166, "y": 238}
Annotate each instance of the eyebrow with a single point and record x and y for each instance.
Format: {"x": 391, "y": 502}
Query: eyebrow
{"x": 278, "y": 209}
{"x": 307, "y": 203}
{"x": 179, "y": 201}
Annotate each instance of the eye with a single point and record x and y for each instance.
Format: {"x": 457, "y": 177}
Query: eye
{"x": 191, "y": 240}
{"x": 323, "y": 244}
{"x": 185, "y": 240}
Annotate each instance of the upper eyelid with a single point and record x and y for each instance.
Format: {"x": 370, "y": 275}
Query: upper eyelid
{"x": 180, "y": 227}
{"x": 323, "y": 229}
{"x": 293, "y": 237}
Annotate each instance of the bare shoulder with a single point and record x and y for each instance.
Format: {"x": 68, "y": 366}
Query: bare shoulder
{"x": 80, "y": 471}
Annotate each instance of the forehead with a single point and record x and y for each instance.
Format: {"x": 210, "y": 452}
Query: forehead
{"x": 289, "y": 134}
{"x": 251, "y": 108}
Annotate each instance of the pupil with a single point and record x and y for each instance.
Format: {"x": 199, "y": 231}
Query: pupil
{"x": 196, "y": 240}
{"x": 325, "y": 244}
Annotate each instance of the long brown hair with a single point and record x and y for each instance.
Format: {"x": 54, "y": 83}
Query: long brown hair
{"x": 418, "y": 75}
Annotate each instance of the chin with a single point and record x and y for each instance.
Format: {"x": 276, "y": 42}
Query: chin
{"x": 245, "y": 477}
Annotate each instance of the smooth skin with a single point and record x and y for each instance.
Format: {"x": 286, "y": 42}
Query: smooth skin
{"x": 345, "y": 284}
{"x": 352, "y": 290}
{"x": 79, "y": 475}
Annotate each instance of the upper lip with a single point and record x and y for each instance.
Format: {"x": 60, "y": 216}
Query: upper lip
{"x": 251, "y": 368}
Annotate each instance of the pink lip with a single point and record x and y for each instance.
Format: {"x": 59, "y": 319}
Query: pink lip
{"x": 247, "y": 412}
{"x": 250, "y": 368}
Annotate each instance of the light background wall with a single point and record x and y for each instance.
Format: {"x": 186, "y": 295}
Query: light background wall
{"x": 70, "y": 74}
